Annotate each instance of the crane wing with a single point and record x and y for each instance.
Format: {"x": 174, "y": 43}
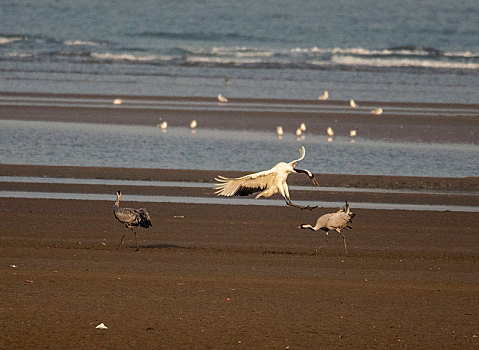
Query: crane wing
{"x": 338, "y": 220}
{"x": 127, "y": 215}
{"x": 302, "y": 153}
{"x": 243, "y": 186}
{"x": 145, "y": 220}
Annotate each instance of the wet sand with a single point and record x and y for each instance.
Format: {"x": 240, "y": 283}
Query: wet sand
{"x": 447, "y": 122}
{"x": 233, "y": 276}
{"x": 227, "y": 276}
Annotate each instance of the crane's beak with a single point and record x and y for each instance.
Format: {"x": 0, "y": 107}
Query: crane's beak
{"x": 315, "y": 183}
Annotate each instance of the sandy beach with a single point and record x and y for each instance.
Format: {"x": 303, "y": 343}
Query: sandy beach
{"x": 235, "y": 276}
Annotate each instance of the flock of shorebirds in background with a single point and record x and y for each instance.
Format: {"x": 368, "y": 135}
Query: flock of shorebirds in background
{"x": 300, "y": 131}
{"x": 266, "y": 183}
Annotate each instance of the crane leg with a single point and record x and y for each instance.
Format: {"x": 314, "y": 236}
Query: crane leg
{"x": 291, "y": 204}
{"x": 325, "y": 244}
{"x": 136, "y": 240}
{"x": 121, "y": 241}
{"x": 344, "y": 242}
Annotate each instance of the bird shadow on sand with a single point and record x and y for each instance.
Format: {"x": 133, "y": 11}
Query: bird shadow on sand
{"x": 163, "y": 246}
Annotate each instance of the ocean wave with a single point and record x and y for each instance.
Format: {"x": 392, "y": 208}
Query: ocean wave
{"x": 360, "y": 51}
{"x": 8, "y": 40}
{"x": 19, "y": 54}
{"x": 80, "y": 43}
{"x": 223, "y": 60}
{"x": 130, "y": 57}
{"x": 391, "y": 62}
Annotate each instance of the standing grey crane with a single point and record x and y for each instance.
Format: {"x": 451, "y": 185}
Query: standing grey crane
{"x": 334, "y": 222}
{"x": 130, "y": 217}
{"x": 269, "y": 182}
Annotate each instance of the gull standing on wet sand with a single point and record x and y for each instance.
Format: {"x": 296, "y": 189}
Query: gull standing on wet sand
{"x": 269, "y": 182}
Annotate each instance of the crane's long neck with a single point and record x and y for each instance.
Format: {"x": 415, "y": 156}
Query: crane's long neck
{"x": 117, "y": 202}
{"x": 306, "y": 226}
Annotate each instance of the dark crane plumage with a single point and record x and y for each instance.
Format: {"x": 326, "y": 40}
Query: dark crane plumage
{"x": 131, "y": 217}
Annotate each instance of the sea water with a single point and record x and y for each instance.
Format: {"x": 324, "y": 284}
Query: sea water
{"x": 425, "y": 51}
{"x": 83, "y": 144}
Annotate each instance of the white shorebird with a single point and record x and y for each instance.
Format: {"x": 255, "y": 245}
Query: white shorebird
{"x": 193, "y": 124}
{"x": 279, "y": 131}
{"x": 298, "y": 132}
{"x": 377, "y": 111}
{"x": 353, "y": 104}
{"x": 163, "y": 125}
{"x": 333, "y": 222}
{"x": 352, "y": 133}
{"x": 268, "y": 182}
{"x": 130, "y": 217}
{"x": 302, "y": 127}
{"x": 324, "y": 96}
{"x": 330, "y": 131}
{"x": 222, "y": 99}
{"x": 117, "y": 101}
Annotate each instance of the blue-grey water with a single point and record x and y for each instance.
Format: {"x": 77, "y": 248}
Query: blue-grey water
{"x": 410, "y": 50}
{"x": 233, "y": 201}
{"x": 82, "y": 144}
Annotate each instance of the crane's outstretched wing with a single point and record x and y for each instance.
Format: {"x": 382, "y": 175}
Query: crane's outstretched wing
{"x": 243, "y": 186}
{"x": 302, "y": 153}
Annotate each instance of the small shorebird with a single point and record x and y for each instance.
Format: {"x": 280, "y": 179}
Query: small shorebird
{"x": 268, "y": 182}
{"x": 163, "y": 125}
{"x": 377, "y": 111}
{"x": 302, "y": 127}
{"x": 333, "y": 222}
{"x": 130, "y": 217}
{"x": 324, "y": 96}
{"x": 193, "y": 124}
{"x": 353, "y": 103}
{"x": 279, "y": 131}
{"x": 352, "y": 133}
{"x": 330, "y": 131}
{"x": 117, "y": 101}
{"x": 222, "y": 99}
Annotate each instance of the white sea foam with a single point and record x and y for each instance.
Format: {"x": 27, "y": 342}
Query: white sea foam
{"x": 403, "y": 62}
{"x": 80, "y": 43}
{"x": 465, "y": 54}
{"x": 4, "y": 40}
{"x": 19, "y": 54}
{"x": 242, "y": 51}
{"x": 129, "y": 57}
{"x": 223, "y": 60}
{"x": 359, "y": 51}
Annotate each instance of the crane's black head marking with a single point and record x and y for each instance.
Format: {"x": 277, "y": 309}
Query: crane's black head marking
{"x": 304, "y": 171}
{"x": 309, "y": 174}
